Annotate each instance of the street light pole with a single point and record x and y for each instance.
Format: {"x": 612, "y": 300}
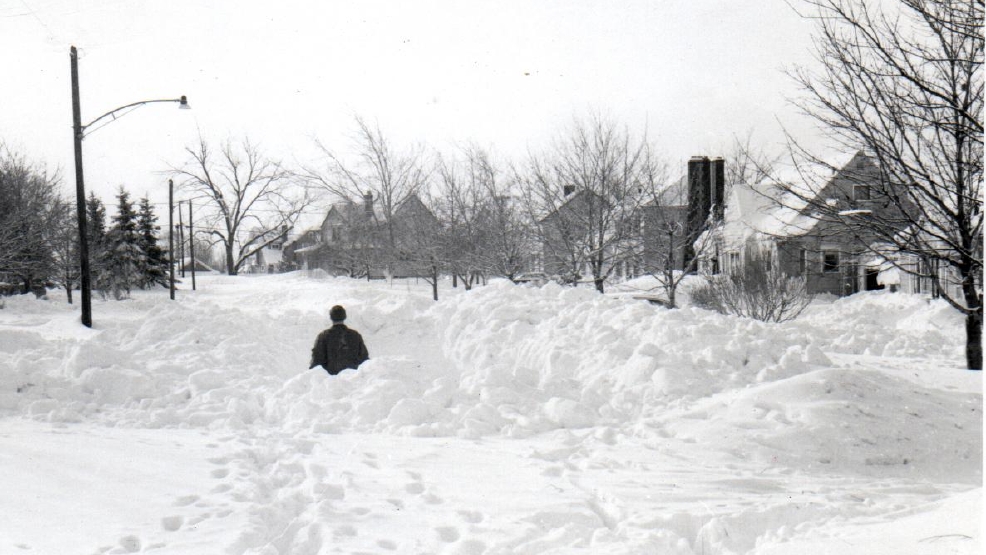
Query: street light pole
{"x": 171, "y": 237}
{"x": 78, "y": 133}
{"x": 191, "y": 241}
{"x": 80, "y": 194}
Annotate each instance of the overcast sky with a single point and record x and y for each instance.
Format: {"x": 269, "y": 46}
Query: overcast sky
{"x": 509, "y": 75}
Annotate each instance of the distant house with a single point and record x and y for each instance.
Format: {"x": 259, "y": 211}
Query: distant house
{"x": 269, "y": 258}
{"x": 564, "y": 231}
{"x": 659, "y": 235}
{"x": 352, "y": 238}
{"x": 834, "y": 258}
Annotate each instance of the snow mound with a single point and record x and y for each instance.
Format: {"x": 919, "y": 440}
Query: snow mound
{"x": 501, "y": 360}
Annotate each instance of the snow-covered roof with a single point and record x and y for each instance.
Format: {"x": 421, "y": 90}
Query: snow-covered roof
{"x": 760, "y": 211}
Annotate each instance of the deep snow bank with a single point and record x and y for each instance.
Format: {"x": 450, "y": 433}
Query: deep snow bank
{"x": 503, "y": 360}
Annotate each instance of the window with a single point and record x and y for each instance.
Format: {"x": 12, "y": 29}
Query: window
{"x": 803, "y": 261}
{"x": 733, "y": 261}
{"x": 830, "y": 261}
{"x": 861, "y": 191}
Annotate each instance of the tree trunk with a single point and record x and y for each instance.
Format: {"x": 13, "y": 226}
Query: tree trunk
{"x": 974, "y": 340}
{"x": 68, "y": 292}
{"x": 230, "y": 265}
{"x": 600, "y": 284}
{"x": 434, "y": 282}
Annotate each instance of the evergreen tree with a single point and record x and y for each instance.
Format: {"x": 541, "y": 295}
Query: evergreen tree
{"x": 155, "y": 264}
{"x": 96, "y": 237}
{"x": 123, "y": 257}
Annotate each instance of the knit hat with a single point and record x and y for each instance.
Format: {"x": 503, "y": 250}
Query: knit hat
{"x": 337, "y": 314}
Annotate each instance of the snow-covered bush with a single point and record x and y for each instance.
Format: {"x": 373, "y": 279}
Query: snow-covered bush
{"x": 757, "y": 289}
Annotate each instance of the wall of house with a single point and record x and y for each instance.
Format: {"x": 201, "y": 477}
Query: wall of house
{"x": 657, "y": 242}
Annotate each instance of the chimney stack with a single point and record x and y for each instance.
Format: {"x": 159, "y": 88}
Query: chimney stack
{"x": 718, "y": 187}
{"x": 368, "y": 205}
{"x": 699, "y": 192}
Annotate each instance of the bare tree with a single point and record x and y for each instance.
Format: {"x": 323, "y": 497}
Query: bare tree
{"x": 65, "y": 248}
{"x": 503, "y": 230}
{"x": 456, "y": 205}
{"x": 381, "y": 173}
{"x": 485, "y": 232}
{"x": 585, "y": 193}
{"x": 903, "y": 81}
{"x": 749, "y": 162}
{"x": 250, "y": 200}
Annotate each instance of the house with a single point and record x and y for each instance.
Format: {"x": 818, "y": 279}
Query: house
{"x": 564, "y": 230}
{"x": 269, "y": 257}
{"x": 671, "y": 222}
{"x": 353, "y": 237}
{"x": 835, "y": 257}
{"x": 659, "y": 234}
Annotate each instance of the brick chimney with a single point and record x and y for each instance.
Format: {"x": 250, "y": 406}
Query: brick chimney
{"x": 368, "y": 205}
{"x": 699, "y": 192}
{"x": 718, "y": 187}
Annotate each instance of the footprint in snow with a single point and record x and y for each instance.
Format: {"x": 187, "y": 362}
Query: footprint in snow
{"x": 186, "y": 500}
{"x": 172, "y": 523}
{"x": 220, "y": 473}
{"x": 344, "y": 531}
{"x": 447, "y": 534}
{"x": 472, "y": 517}
{"x": 432, "y": 499}
{"x": 130, "y": 544}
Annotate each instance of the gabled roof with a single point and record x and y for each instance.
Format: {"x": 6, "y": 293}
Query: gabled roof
{"x": 770, "y": 209}
{"x": 674, "y": 193}
{"x": 570, "y": 200}
{"x": 759, "y": 211}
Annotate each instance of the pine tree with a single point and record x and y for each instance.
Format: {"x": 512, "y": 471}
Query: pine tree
{"x": 123, "y": 257}
{"x": 96, "y": 238}
{"x": 155, "y": 267}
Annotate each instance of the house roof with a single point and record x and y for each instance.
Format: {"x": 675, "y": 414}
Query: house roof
{"x": 762, "y": 210}
{"x": 674, "y": 193}
{"x": 770, "y": 209}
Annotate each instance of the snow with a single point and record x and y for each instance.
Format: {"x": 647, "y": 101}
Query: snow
{"x": 762, "y": 211}
{"x": 507, "y": 419}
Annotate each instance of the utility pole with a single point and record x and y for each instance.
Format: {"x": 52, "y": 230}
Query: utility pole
{"x": 191, "y": 242}
{"x": 171, "y": 235}
{"x": 78, "y": 133}
{"x": 80, "y": 194}
{"x": 181, "y": 240}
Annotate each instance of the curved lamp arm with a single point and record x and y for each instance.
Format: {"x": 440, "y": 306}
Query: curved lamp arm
{"x": 182, "y": 104}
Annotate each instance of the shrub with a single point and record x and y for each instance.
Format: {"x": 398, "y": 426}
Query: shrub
{"x": 756, "y": 290}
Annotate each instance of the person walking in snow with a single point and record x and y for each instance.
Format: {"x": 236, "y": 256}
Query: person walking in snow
{"x": 338, "y": 347}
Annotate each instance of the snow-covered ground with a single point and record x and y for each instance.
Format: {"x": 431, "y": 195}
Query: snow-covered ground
{"x": 509, "y": 419}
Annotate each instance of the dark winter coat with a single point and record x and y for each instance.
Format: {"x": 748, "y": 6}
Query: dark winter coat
{"x": 338, "y": 348}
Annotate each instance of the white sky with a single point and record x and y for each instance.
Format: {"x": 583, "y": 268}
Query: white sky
{"x": 508, "y": 74}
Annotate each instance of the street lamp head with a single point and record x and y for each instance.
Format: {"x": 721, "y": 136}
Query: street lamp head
{"x": 183, "y": 103}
